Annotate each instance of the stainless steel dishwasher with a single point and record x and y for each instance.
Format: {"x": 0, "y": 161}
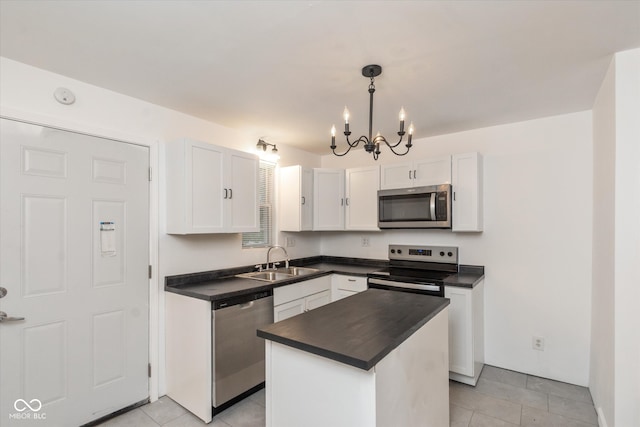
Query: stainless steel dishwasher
{"x": 238, "y": 353}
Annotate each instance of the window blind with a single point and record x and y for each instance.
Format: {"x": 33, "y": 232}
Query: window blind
{"x": 266, "y": 188}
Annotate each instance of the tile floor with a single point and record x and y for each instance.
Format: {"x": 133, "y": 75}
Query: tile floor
{"x": 501, "y": 398}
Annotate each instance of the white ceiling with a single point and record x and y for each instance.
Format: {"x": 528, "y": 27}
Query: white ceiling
{"x": 285, "y": 70}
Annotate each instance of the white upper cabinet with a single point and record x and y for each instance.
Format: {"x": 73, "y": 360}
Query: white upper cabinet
{"x": 361, "y": 207}
{"x": 328, "y": 199}
{"x": 295, "y": 198}
{"x": 433, "y": 171}
{"x": 210, "y": 189}
{"x": 242, "y": 171}
{"x": 467, "y": 192}
{"x": 346, "y": 200}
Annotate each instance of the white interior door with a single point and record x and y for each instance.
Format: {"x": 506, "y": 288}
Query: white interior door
{"x": 82, "y": 350}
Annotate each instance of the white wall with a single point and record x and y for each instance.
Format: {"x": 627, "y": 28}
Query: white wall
{"x": 627, "y": 246}
{"x": 602, "y": 370}
{"x": 615, "y": 366}
{"x": 536, "y": 244}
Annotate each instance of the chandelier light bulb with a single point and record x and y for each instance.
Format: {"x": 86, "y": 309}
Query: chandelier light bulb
{"x": 402, "y": 114}
{"x": 411, "y": 129}
{"x": 333, "y": 130}
{"x": 345, "y": 114}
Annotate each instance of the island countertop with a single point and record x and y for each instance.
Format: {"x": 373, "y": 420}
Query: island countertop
{"x": 360, "y": 330}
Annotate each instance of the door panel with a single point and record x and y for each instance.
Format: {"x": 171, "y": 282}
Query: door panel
{"x": 243, "y": 193}
{"x": 44, "y": 262}
{"x": 82, "y": 350}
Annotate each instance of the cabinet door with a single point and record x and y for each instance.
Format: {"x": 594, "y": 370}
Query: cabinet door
{"x": 467, "y": 192}
{"x": 328, "y": 199}
{"x": 204, "y": 178}
{"x": 317, "y": 300}
{"x": 362, "y": 186}
{"x": 288, "y": 309}
{"x": 290, "y": 198}
{"x": 396, "y": 176}
{"x": 242, "y": 192}
{"x": 306, "y": 200}
{"x": 460, "y": 330}
{"x": 434, "y": 171}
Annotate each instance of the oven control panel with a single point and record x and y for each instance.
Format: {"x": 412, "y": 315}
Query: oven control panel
{"x": 443, "y": 254}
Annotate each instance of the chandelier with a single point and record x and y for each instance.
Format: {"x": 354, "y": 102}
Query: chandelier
{"x": 372, "y": 145}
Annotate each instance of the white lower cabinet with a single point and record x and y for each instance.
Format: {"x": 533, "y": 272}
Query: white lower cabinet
{"x": 346, "y": 286}
{"x": 466, "y": 332}
{"x": 291, "y": 300}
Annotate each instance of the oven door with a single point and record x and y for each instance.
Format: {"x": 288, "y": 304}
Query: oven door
{"x": 417, "y": 207}
{"x": 423, "y": 288}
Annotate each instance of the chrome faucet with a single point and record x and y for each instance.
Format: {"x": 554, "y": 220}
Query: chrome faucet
{"x": 286, "y": 261}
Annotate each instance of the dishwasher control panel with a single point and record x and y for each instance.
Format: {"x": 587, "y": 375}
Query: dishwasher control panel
{"x": 241, "y": 299}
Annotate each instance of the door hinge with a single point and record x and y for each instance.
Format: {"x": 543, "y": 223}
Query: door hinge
{"x": 149, "y": 370}
{"x": 150, "y": 271}
{"x": 150, "y": 174}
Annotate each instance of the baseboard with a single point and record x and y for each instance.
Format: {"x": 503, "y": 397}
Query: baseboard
{"x": 602, "y": 421}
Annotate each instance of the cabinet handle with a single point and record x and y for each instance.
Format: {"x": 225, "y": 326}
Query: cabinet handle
{"x": 409, "y": 174}
{"x": 230, "y": 193}
{"x": 347, "y": 201}
{"x": 304, "y": 200}
{"x": 351, "y": 280}
{"x": 415, "y": 172}
{"x": 341, "y": 202}
{"x": 226, "y": 193}
{"x": 454, "y": 196}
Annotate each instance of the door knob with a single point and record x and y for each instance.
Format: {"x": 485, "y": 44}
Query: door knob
{"x": 5, "y": 318}
{"x": 3, "y": 292}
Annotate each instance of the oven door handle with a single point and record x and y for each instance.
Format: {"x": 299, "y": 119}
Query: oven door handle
{"x": 418, "y": 286}
{"x": 432, "y": 206}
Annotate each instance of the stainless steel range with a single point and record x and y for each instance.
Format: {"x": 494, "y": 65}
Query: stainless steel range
{"x": 417, "y": 269}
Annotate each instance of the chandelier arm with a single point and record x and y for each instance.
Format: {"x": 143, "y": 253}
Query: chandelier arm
{"x": 397, "y": 143}
{"x": 353, "y": 144}
{"x": 357, "y": 141}
{"x": 391, "y": 147}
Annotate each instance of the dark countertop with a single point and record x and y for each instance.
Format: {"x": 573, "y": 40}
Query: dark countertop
{"x": 360, "y": 330}
{"x": 221, "y": 284}
{"x": 467, "y": 277}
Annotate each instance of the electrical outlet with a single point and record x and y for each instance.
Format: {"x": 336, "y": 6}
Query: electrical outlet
{"x": 537, "y": 343}
{"x": 365, "y": 242}
{"x": 291, "y": 242}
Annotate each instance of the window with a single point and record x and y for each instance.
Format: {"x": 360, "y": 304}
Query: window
{"x": 266, "y": 187}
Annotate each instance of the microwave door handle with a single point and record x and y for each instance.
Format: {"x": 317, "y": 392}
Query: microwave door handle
{"x": 432, "y": 206}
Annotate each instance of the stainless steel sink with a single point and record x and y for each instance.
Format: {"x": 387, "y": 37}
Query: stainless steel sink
{"x": 267, "y": 276}
{"x": 279, "y": 274}
{"x": 298, "y": 271}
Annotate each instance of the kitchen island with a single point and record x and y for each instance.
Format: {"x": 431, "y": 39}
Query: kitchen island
{"x": 378, "y": 358}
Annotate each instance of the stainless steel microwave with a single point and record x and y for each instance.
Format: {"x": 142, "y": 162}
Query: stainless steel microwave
{"x": 416, "y": 207}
